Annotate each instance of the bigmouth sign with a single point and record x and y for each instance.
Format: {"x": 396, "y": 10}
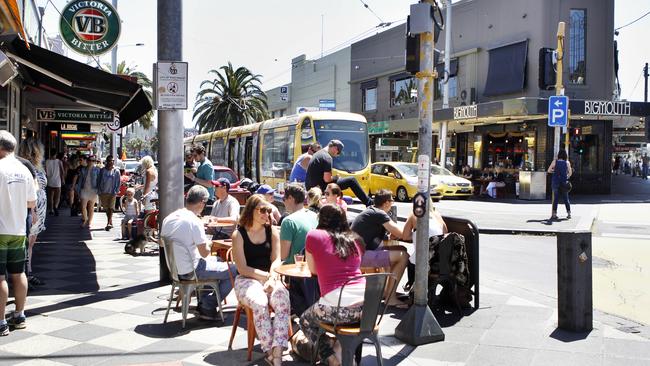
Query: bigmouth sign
{"x": 90, "y": 27}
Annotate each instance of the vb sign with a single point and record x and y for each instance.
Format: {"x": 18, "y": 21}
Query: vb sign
{"x": 558, "y": 107}
{"x": 89, "y": 27}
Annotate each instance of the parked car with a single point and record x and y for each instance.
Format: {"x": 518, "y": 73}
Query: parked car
{"x": 450, "y": 185}
{"x": 131, "y": 166}
{"x": 401, "y": 178}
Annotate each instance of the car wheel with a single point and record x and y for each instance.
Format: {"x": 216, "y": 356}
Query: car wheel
{"x": 402, "y": 194}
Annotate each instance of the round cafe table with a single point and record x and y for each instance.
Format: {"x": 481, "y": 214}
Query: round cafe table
{"x": 220, "y": 247}
{"x": 294, "y": 270}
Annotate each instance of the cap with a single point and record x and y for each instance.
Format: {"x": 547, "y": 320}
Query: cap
{"x": 338, "y": 144}
{"x": 265, "y": 189}
{"x": 222, "y": 182}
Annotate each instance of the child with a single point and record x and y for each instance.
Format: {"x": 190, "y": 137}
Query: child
{"x": 131, "y": 209}
{"x": 334, "y": 196}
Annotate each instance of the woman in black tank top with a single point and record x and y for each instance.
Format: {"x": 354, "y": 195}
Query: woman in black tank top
{"x": 256, "y": 251}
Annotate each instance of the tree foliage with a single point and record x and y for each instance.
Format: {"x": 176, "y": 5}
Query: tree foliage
{"x": 143, "y": 80}
{"x": 232, "y": 98}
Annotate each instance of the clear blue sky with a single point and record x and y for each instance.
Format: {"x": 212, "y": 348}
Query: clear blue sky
{"x": 265, "y": 35}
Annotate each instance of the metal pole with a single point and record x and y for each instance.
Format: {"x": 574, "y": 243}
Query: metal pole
{"x": 170, "y": 123}
{"x": 445, "y": 87}
{"x": 114, "y": 71}
{"x": 645, "y": 76}
{"x": 559, "y": 88}
{"x": 419, "y": 326}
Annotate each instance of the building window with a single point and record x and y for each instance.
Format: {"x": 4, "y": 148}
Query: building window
{"x": 577, "y": 46}
{"x": 403, "y": 91}
{"x": 370, "y": 99}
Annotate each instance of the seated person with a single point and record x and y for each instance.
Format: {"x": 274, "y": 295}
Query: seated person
{"x": 437, "y": 227}
{"x": 184, "y": 228}
{"x": 466, "y": 172}
{"x": 256, "y": 250}
{"x": 334, "y": 196}
{"x": 334, "y": 254}
{"x": 131, "y": 209}
{"x": 266, "y": 191}
{"x": 293, "y": 232}
{"x": 372, "y": 225}
{"x": 497, "y": 182}
{"x": 225, "y": 209}
{"x": 314, "y": 196}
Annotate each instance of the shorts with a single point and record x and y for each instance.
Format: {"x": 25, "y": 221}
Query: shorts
{"x": 107, "y": 201}
{"x": 127, "y": 218}
{"x": 376, "y": 258}
{"x": 12, "y": 254}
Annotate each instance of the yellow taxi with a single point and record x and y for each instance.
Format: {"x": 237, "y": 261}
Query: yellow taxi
{"x": 450, "y": 185}
{"x": 400, "y": 178}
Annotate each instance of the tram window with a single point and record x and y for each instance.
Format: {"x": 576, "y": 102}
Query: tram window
{"x": 267, "y": 154}
{"x": 218, "y": 152}
{"x": 306, "y": 135}
{"x": 277, "y": 153}
{"x": 241, "y": 157}
{"x": 354, "y": 136}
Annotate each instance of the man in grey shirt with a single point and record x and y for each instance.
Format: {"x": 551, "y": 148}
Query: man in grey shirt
{"x": 225, "y": 209}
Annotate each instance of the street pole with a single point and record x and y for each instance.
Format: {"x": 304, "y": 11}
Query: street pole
{"x": 445, "y": 87}
{"x": 170, "y": 122}
{"x": 559, "y": 88}
{"x": 419, "y": 326}
{"x": 645, "y": 76}
{"x": 114, "y": 71}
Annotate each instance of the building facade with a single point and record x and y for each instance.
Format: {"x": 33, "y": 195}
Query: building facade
{"x": 497, "y": 114}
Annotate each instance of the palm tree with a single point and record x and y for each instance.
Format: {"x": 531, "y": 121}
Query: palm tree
{"x": 136, "y": 145}
{"x": 232, "y": 98}
{"x": 143, "y": 80}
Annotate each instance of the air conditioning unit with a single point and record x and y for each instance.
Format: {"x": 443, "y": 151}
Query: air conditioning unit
{"x": 468, "y": 96}
{"x": 8, "y": 70}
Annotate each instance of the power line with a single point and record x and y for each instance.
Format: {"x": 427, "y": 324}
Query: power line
{"x": 373, "y": 13}
{"x": 634, "y": 21}
{"x": 635, "y": 85}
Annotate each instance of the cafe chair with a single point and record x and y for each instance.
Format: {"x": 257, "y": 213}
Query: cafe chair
{"x": 351, "y": 336}
{"x": 187, "y": 287}
{"x": 444, "y": 274}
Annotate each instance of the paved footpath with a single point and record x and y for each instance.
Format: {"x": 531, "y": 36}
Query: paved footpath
{"x": 102, "y": 307}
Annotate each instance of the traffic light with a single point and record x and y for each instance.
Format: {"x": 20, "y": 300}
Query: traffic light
{"x": 576, "y": 131}
{"x": 546, "y": 79}
{"x": 412, "y": 52}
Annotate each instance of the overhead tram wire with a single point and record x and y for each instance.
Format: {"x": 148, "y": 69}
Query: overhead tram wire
{"x": 92, "y": 55}
{"x": 635, "y": 85}
{"x": 634, "y": 21}
{"x": 372, "y": 11}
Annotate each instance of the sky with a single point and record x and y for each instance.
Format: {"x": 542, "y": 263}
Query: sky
{"x": 265, "y": 35}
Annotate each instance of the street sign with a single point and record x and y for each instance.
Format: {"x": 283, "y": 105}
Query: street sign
{"x": 419, "y": 204}
{"x": 558, "y": 106}
{"x": 170, "y": 86}
{"x": 115, "y": 125}
{"x": 284, "y": 93}
{"x": 327, "y": 104}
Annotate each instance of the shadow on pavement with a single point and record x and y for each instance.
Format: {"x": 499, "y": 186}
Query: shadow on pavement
{"x": 565, "y": 336}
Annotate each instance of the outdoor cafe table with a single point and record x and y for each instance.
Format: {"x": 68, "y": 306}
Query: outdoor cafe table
{"x": 294, "y": 270}
{"x": 220, "y": 247}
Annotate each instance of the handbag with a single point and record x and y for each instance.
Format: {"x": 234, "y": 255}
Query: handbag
{"x": 566, "y": 187}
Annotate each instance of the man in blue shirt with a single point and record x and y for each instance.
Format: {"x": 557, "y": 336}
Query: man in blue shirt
{"x": 204, "y": 173}
{"x": 108, "y": 185}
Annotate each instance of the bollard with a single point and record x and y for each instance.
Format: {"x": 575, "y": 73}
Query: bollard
{"x": 574, "y": 282}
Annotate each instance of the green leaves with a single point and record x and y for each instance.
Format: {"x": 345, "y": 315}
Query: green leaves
{"x": 143, "y": 80}
{"x": 232, "y": 98}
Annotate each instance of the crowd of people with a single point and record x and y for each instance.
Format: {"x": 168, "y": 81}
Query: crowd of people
{"x": 636, "y": 166}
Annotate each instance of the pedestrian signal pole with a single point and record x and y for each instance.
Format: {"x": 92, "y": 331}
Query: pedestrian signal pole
{"x": 559, "y": 88}
{"x": 419, "y": 326}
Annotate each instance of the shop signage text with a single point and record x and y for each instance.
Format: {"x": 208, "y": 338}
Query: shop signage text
{"x": 466, "y": 111}
{"x": 327, "y": 104}
{"x": 170, "y": 84}
{"x": 71, "y": 115}
{"x": 68, "y": 127}
{"x": 608, "y": 108}
{"x": 90, "y": 27}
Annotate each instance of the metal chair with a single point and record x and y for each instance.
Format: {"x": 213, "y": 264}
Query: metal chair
{"x": 351, "y": 336}
{"x": 186, "y": 286}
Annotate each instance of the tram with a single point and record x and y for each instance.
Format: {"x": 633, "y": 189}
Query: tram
{"x": 266, "y": 151}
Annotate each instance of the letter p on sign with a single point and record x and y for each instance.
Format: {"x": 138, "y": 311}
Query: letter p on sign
{"x": 557, "y": 111}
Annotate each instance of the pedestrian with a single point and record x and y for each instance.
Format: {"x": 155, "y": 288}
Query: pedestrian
{"x": 203, "y": 174}
{"x": 319, "y": 172}
{"x": 299, "y": 170}
{"x": 561, "y": 171}
{"x": 293, "y": 232}
{"x": 54, "y": 171}
{"x": 617, "y": 164}
{"x": 17, "y": 194}
{"x": 334, "y": 254}
{"x": 73, "y": 176}
{"x": 87, "y": 190}
{"x": 108, "y": 185}
{"x": 186, "y": 232}
{"x": 269, "y": 195}
{"x": 256, "y": 250}
{"x": 150, "y": 187}
{"x": 32, "y": 150}
{"x": 645, "y": 166}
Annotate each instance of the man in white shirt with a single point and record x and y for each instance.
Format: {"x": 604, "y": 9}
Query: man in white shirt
{"x": 225, "y": 209}
{"x": 17, "y": 194}
{"x": 192, "y": 249}
{"x": 54, "y": 172}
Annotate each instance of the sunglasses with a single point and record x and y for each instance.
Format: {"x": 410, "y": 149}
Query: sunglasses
{"x": 328, "y": 193}
{"x": 264, "y": 210}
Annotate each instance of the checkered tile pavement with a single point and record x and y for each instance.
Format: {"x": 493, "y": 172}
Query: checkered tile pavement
{"x": 100, "y": 306}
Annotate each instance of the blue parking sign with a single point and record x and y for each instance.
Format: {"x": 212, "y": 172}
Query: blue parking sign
{"x": 558, "y": 107}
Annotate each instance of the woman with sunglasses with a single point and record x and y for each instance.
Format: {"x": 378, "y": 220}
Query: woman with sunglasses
{"x": 334, "y": 196}
{"x": 256, "y": 251}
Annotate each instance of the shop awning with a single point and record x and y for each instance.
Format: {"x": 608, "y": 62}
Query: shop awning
{"x": 76, "y": 81}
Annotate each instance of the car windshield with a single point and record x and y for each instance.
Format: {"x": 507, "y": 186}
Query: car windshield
{"x": 225, "y": 174}
{"x": 131, "y": 165}
{"x": 354, "y": 136}
{"x": 409, "y": 170}
{"x": 438, "y": 170}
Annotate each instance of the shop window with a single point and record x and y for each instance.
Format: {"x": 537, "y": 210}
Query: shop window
{"x": 577, "y": 46}
{"x": 403, "y": 91}
{"x": 512, "y": 150}
{"x": 370, "y": 99}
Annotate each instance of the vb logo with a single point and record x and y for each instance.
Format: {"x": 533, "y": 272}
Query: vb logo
{"x": 45, "y": 114}
{"x": 90, "y": 24}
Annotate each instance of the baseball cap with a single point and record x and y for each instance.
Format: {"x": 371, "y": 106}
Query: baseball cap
{"x": 265, "y": 189}
{"x": 338, "y": 144}
{"x": 222, "y": 182}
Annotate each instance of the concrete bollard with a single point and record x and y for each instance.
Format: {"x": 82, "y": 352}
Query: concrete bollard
{"x": 574, "y": 281}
